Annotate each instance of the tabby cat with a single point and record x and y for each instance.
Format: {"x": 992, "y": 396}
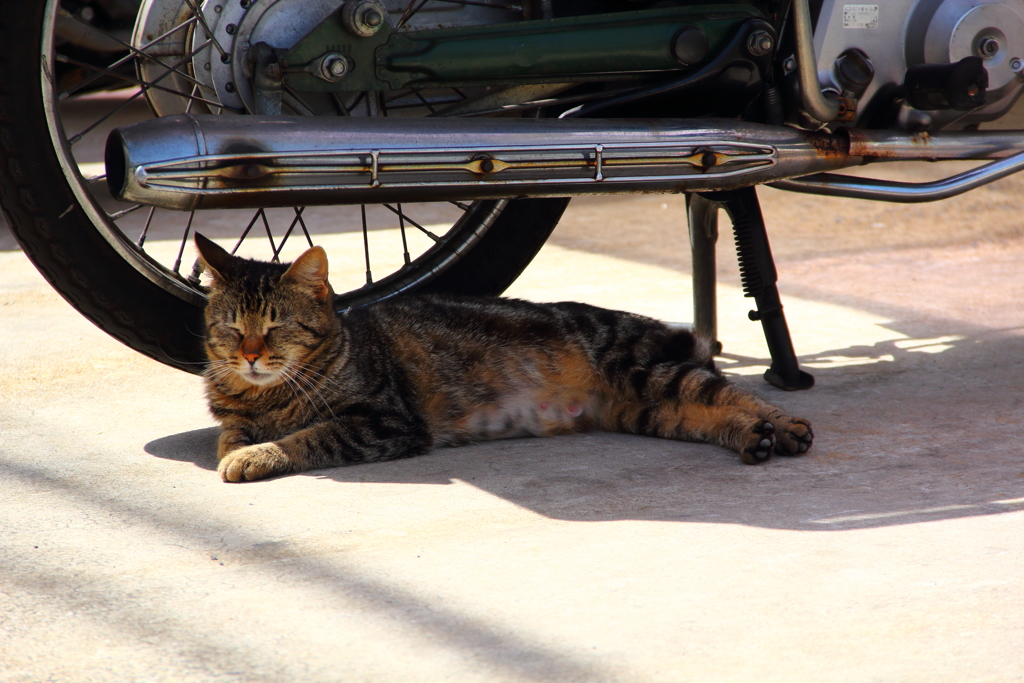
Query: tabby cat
{"x": 297, "y": 386}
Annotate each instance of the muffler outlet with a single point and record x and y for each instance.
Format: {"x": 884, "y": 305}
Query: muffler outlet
{"x": 191, "y": 162}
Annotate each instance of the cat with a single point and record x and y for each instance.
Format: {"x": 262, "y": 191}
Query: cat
{"x": 297, "y": 386}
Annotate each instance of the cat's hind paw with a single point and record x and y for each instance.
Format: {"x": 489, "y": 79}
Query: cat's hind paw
{"x": 254, "y": 462}
{"x": 795, "y": 438}
{"x": 760, "y": 445}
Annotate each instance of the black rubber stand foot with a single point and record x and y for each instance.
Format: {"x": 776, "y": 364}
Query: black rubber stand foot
{"x": 804, "y": 380}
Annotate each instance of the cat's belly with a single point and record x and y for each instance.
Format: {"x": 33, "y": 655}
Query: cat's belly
{"x": 520, "y": 416}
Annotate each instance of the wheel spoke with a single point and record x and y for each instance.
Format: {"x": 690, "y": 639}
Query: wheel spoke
{"x": 145, "y": 228}
{"x": 302, "y": 224}
{"x": 366, "y": 245}
{"x": 256, "y": 217}
{"x": 464, "y": 207}
{"x": 81, "y": 134}
{"x": 409, "y": 12}
{"x": 266, "y": 225}
{"x": 202, "y": 20}
{"x": 135, "y": 81}
{"x": 401, "y": 226}
{"x": 288, "y": 233}
{"x": 132, "y": 49}
{"x": 336, "y": 96}
{"x": 355, "y": 102}
{"x": 297, "y": 104}
{"x": 422, "y": 99}
{"x": 414, "y": 223}
{"x": 184, "y": 240}
{"x": 124, "y": 212}
{"x": 83, "y": 84}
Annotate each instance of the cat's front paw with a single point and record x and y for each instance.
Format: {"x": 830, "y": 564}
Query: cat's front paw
{"x": 254, "y": 462}
{"x": 795, "y": 437}
{"x": 760, "y": 445}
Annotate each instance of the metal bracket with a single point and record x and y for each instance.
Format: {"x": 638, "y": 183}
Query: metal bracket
{"x": 563, "y": 50}
{"x": 268, "y": 84}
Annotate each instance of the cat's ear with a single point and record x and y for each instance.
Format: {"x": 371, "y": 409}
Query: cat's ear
{"x": 310, "y": 270}
{"x": 217, "y": 260}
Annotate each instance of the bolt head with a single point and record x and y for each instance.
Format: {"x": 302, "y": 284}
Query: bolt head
{"x": 229, "y": 86}
{"x": 1016, "y": 64}
{"x": 789, "y": 65}
{"x": 333, "y": 66}
{"x": 337, "y": 67}
{"x": 760, "y": 43}
{"x": 372, "y": 18}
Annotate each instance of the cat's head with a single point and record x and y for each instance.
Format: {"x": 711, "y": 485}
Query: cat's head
{"x": 265, "y": 321}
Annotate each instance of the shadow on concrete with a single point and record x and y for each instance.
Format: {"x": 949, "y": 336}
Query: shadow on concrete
{"x": 904, "y": 435}
{"x": 143, "y": 616}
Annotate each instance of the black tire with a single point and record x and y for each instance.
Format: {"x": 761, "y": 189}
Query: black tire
{"x": 112, "y": 282}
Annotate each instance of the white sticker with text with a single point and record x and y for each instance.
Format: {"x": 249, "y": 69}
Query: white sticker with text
{"x": 860, "y": 16}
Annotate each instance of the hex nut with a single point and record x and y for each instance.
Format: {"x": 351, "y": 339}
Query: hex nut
{"x": 363, "y": 18}
{"x": 334, "y": 66}
{"x": 760, "y": 43}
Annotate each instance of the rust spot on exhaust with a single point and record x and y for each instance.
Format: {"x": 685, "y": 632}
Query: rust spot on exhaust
{"x": 829, "y": 145}
{"x": 864, "y": 145}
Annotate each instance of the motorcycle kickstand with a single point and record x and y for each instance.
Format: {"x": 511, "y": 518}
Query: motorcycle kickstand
{"x": 757, "y": 273}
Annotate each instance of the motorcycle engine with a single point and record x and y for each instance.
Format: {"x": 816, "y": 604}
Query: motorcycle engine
{"x": 853, "y": 40}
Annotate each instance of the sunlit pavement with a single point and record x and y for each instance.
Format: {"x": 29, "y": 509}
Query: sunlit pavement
{"x": 894, "y": 551}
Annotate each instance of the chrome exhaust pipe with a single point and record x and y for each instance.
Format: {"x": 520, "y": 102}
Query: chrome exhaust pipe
{"x": 191, "y": 162}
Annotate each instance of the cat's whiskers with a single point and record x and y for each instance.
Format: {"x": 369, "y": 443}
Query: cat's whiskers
{"x": 300, "y": 375}
{"x": 311, "y": 370}
{"x": 218, "y": 371}
{"x": 297, "y": 380}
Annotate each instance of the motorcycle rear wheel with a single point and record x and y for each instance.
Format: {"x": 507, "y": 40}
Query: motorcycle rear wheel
{"x": 57, "y": 216}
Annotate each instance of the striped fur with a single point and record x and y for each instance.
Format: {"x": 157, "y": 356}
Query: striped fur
{"x": 297, "y": 387}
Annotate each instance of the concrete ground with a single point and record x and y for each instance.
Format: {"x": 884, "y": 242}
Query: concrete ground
{"x": 894, "y": 551}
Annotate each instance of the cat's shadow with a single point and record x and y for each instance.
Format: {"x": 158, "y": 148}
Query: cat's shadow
{"x": 198, "y": 446}
{"x": 608, "y": 477}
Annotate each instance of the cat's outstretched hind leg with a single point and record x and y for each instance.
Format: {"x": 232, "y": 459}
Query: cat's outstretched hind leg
{"x": 732, "y": 427}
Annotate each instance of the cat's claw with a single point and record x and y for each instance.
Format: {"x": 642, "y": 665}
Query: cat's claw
{"x": 796, "y": 438}
{"x": 763, "y": 447}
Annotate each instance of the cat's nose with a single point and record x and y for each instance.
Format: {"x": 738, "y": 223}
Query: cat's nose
{"x": 252, "y": 349}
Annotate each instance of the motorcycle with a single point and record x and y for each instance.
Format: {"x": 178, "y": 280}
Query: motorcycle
{"x": 470, "y": 123}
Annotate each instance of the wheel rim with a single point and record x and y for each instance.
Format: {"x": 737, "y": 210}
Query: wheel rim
{"x": 420, "y": 249}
